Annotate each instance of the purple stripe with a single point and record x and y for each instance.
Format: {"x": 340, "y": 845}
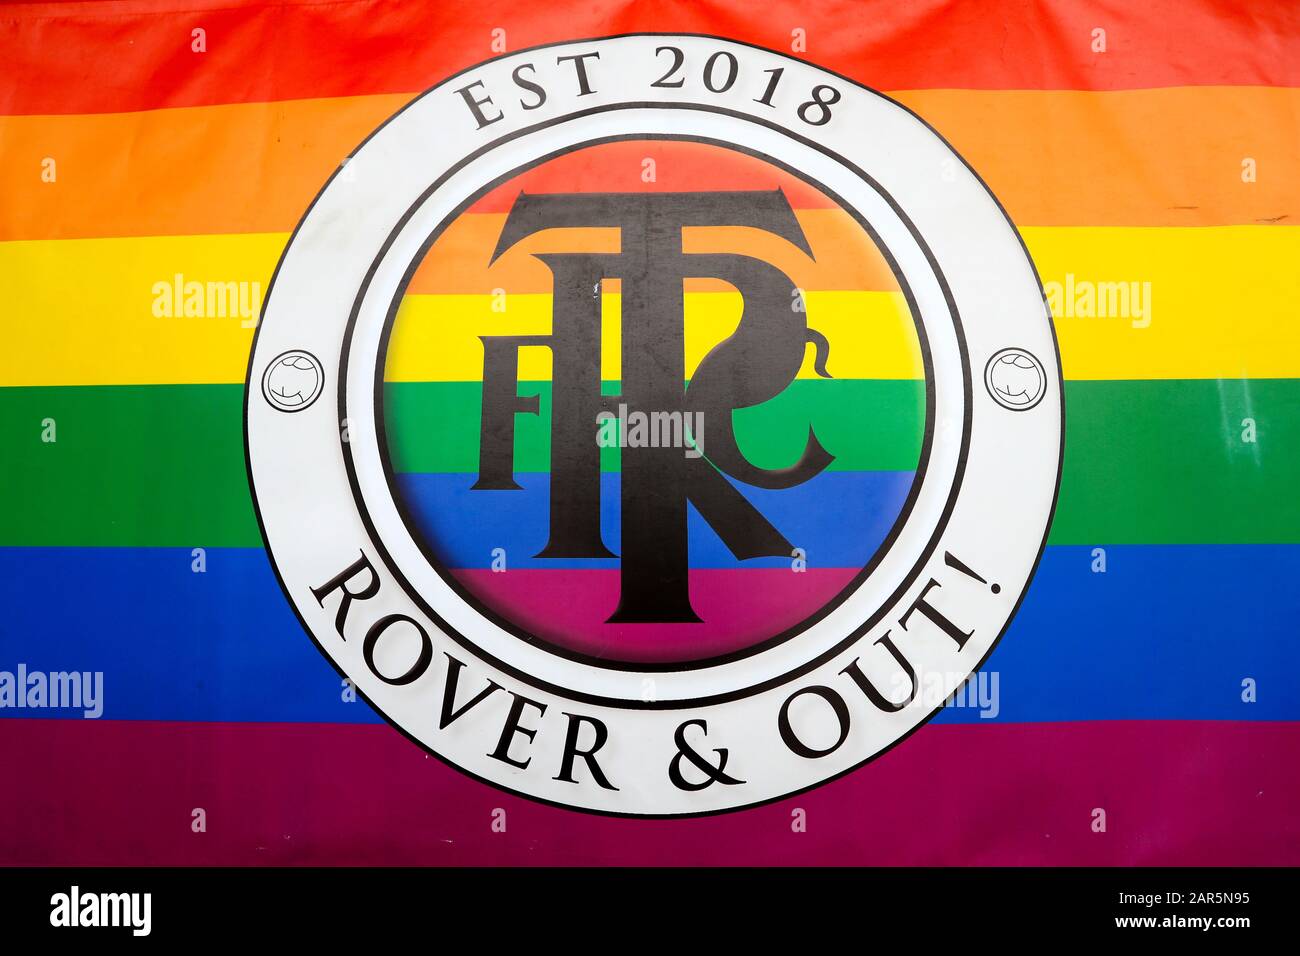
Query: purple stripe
{"x": 736, "y": 609}
{"x": 1174, "y": 793}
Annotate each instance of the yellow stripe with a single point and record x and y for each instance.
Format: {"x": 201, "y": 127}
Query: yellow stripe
{"x": 1223, "y": 305}
{"x": 870, "y": 334}
{"x": 1223, "y": 300}
{"x": 81, "y": 311}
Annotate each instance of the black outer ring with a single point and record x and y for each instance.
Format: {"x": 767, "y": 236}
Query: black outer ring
{"x": 676, "y": 704}
{"x": 257, "y": 509}
{"x": 473, "y": 600}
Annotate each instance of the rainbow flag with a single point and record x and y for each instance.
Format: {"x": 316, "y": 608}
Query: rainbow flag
{"x": 1141, "y": 708}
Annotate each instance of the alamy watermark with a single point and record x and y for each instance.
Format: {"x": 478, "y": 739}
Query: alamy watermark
{"x": 76, "y": 908}
{"x": 1077, "y": 298}
{"x": 639, "y": 429}
{"x": 981, "y": 692}
{"x": 53, "y": 690}
{"x": 183, "y": 298}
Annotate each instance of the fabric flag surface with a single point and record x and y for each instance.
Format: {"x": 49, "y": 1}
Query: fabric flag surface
{"x": 160, "y": 702}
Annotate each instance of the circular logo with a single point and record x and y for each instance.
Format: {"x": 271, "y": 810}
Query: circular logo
{"x": 293, "y": 380}
{"x": 657, "y": 482}
{"x": 1015, "y": 379}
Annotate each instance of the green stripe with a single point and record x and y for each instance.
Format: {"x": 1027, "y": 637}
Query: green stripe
{"x": 1147, "y": 462}
{"x": 147, "y": 465}
{"x": 433, "y": 426}
{"x": 1166, "y": 462}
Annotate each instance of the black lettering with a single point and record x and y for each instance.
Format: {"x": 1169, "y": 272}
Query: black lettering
{"x": 449, "y": 711}
{"x": 513, "y": 727}
{"x": 766, "y": 98}
{"x": 713, "y": 773}
{"x": 817, "y": 111}
{"x": 579, "y": 61}
{"x": 476, "y": 105}
{"x": 501, "y": 403}
{"x": 376, "y": 631}
{"x": 729, "y": 78}
{"x": 530, "y": 86}
{"x": 341, "y": 581}
{"x": 936, "y": 616}
{"x": 840, "y": 708}
{"x": 678, "y": 59}
{"x": 854, "y": 671}
{"x": 571, "y": 751}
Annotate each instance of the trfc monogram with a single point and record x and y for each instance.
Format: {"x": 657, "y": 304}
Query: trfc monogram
{"x": 756, "y": 363}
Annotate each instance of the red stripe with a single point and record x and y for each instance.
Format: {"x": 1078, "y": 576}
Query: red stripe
{"x": 111, "y": 57}
{"x": 737, "y": 608}
{"x": 1175, "y": 793}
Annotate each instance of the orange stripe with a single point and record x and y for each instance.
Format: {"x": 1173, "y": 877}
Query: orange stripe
{"x": 1171, "y": 157}
{"x": 846, "y": 258}
{"x": 1150, "y": 157}
{"x": 654, "y": 166}
{"x": 200, "y": 171}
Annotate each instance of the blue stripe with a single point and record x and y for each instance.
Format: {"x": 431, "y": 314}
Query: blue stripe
{"x": 465, "y": 526}
{"x": 1168, "y": 632}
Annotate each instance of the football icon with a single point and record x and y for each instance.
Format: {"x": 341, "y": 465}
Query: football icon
{"x": 293, "y": 381}
{"x": 1015, "y": 379}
